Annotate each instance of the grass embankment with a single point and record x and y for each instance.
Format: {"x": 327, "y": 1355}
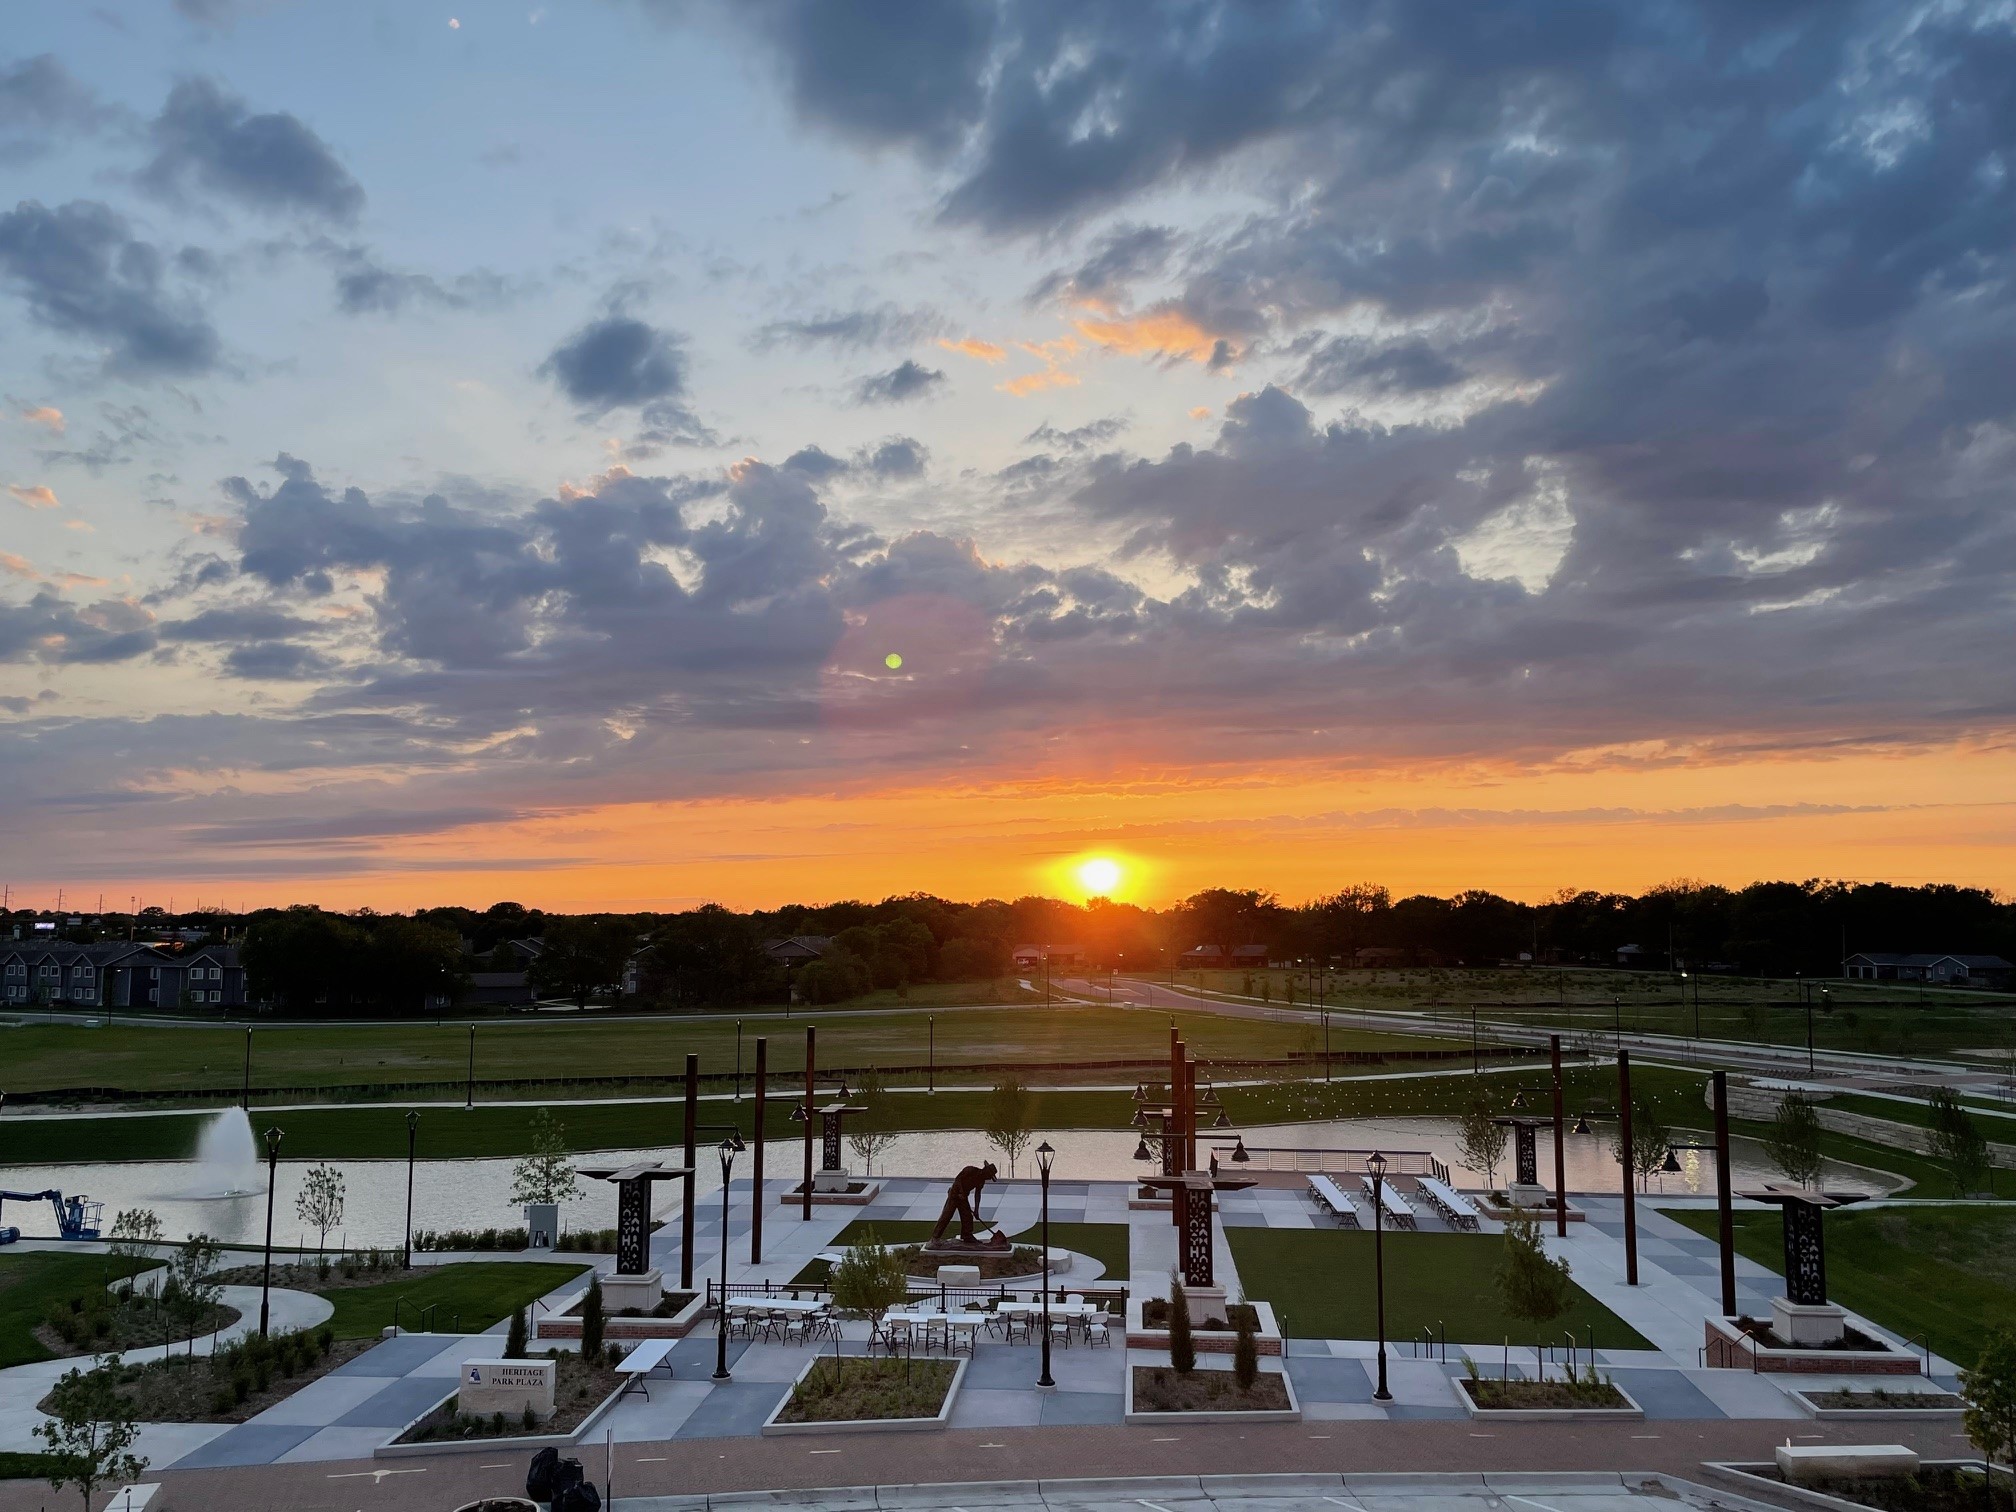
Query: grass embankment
{"x": 36, "y": 1280}
{"x": 1997, "y": 1126}
{"x": 186, "y": 1059}
{"x": 1928, "y": 1178}
{"x": 1948, "y": 1273}
{"x": 26, "y": 1466}
{"x": 453, "y": 1132}
{"x": 1320, "y": 1282}
{"x": 466, "y": 1298}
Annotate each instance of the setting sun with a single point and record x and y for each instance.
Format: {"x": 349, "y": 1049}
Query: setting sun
{"x": 1099, "y": 876}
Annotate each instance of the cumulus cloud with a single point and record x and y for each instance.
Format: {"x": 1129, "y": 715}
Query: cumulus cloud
{"x": 907, "y": 380}
{"x": 208, "y": 140}
{"x": 41, "y": 102}
{"x": 620, "y": 362}
{"x": 82, "y": 272}
{"x": 51, "y": 629}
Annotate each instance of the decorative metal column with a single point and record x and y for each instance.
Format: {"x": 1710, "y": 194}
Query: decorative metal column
{"x": 756, "y": 1168}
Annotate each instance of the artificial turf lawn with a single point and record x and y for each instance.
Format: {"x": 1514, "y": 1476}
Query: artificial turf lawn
{"x": 1320, "y": 1282}
{"x": 471, "y": 1295}
{"x": 1948, "y": 1273}
{"x": 34, "y": 1279}
{"x": 1104, "y": 1242}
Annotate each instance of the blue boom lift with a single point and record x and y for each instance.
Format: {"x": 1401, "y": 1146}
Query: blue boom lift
{"x": 76, "y": 1217}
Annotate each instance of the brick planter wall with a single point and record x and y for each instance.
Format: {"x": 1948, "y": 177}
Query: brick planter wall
{"x": 1730, "y": 1350}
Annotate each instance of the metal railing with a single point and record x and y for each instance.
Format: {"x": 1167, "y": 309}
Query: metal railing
{"x": 424, "y": 1317}
{"x": 1433, "y": 1343}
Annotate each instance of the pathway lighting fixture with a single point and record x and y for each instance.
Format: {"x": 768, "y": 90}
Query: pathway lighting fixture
{"x": 1375, "y": 1164}
{"x": 730, "y": 1148}
{"x": 1239, "y": 1154}
{"x": 1045, "y": 1158}
{"x": 1222, "y": 1121}
{"x": 1141, "y": 1151}
{"x": 798, "y": 1112}
{"x": 272, "y": 1172}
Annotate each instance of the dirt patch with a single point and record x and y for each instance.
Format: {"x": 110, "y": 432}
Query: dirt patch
{"x": 124, "y": 1325}
{"x": 1159, "y": 1389}
{"x": 579, "y": 1387}
{"x": 1543, "y": 1396}
{"x": 847, "y": 1390}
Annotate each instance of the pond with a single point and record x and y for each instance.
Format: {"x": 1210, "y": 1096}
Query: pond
{"x": 223, "y": 1193}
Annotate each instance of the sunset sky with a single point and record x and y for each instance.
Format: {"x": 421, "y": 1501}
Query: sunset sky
{"x": 631, "y": 454}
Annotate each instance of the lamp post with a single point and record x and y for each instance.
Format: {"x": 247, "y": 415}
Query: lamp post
{"x": 469, "y": 1098}
{"x": 245, "y": 1092}
{"x": 1045, "y": 1156}
{"x": 272, "y": 1171}
{"x": 738, "y": 1060}
{"x": 931, "y": 1052}
{"x": 1375, "y": 1163}
{"x": 729, "y": 1148}
{"x": 412, "y": 1137}
{"x": 1809, "y": 1031}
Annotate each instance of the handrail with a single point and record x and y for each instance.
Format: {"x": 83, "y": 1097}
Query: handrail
{"x": 1925, "y": 1348}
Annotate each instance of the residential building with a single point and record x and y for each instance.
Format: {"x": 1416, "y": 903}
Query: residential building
{"x": 1989, "y": 971}
{"x": 120, "y": 974}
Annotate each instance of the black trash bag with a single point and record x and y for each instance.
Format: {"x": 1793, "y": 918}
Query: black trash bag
{"x": 581, "y": 1498}
{"x": 539, "y": 1479}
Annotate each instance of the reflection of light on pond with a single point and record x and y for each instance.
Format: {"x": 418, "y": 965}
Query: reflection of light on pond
{"x": 475, "y": 1194}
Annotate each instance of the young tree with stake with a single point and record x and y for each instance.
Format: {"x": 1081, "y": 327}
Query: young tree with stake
{"x": 320, "y": 1204}
{"x": 90, "y": 1431}
{"x": 1008, "y": 1118}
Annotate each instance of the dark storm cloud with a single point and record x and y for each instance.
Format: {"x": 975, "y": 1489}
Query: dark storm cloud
{"x": 208, "y": 140}
{"x": 907, "y": 380}
{"x": 82, "y": 272}
{"x": 885, "y": 325}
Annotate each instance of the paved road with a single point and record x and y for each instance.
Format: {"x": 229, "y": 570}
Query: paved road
{"x": 686, "y": 1466}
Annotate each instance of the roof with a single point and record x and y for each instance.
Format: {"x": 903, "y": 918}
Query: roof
{"x": 1972, "y": 962}
{"x": 1979, "y": 962}
{"x": 797, "y": 945}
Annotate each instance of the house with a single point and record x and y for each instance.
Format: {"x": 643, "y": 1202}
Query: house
{"x": 121, "y": 974}
{"x": 1641, "y": 958}
{"x": 500, "y": 989}
{"x": 1252, "y": 956}
{"x": 1029, "y": 957}
{"x": 1202, "y": 957}
{"x": 793, "y": 951}
{"x": 1380, "y": 955}
{"x": 1989, "y": 971}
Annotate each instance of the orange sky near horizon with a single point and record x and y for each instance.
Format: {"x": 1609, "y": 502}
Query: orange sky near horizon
{"x": 1297, "y": 831}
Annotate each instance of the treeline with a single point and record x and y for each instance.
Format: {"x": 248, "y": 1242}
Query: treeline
{"x": 714, "y": 956}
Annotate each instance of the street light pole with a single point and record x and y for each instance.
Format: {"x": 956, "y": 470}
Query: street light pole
{"x": 469, "y": 1099}
{"x": 1045, "y": 1156}
{"x": 272, "y": 1172}
{"x": 931, "y": 1053}
{"x": 412, "y": 1137}
{"x": 245, "y": 1094}
{"x": 738, "y": 1060}
{"x": 1376, "y": 1164}
{"x": 728, "y": 1148}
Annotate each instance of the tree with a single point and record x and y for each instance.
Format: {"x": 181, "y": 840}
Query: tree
{"x": 195, "y": 1288}
{"x": 1533, "y": 1285}
{"x": 1794, "y": 1141}
{"x": 870, "y": 1280}
{"x": 411, "y": 963}
{"x": 591, "y": 1319}
{"x": 320, "y": 1204}
{"x": 583, "y": 956}
{"x": 545, "y": 1175}
{"x": 1650, "y": 1141}
{"x": 1008, "y": 1118}
{"x": 514, "y": 1337}
{"x": 972, "y": 959}
{"x": 834, "y": 978}
{"x": 1245, "y": 1351}
{"x": 1990, "y": 1392}
{"x": 1480, "y": 1143}
{"x": 90, "y": 1431}
{"x": 1182, "y": 1348}
{"x": 871, "y": 1131}
{"x": 708, "y": 956}
{"x": 1957, "y": 1140}
{"x": 300, "y": 957}
{"x": 134, "y": 1233}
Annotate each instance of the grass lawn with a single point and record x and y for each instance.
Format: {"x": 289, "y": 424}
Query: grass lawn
{"x": 1948, "y": 1273}
{"x": 31, "y": 1281}
{"x": 1929, "y": 1177}
{"x": 308, "y": 1056}
{"x": 15, "y": 1466}
{"x": 479, "y": 1292}
{"x": 1320, "y": 1282}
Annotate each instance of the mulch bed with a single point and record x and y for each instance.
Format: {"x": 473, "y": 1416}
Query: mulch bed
{"x": 1023, "y": 1260}
{"x": 1531, "y": 1396}
{"x": 184, "y": 1390}
{"x": 1851, "y": 1339}
{"x": 311, "y": 1277}
{"x": 1160, "y": 1389}
{"x": 579, "y": 1387}
{"x": 1879, "y": 1400}
{"x": 1932, "y": 1489}
{"x": 1155, "y": 1314}
{"x": 136, "y": 1325}
{"x": 838, "y": 1391}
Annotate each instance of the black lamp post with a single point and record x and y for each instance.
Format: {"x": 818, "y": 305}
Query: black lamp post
{"x": 738, "y": 1060}
{"x": 272, "y": 1182}
{"x": 931, "y": 1053}
{"x": 730, "y": 1147}
{"x": 1376, "y": 1164}
{"x": 469, "y": 1098}
{"x": 1045, "y": 1156}
{"x": 245, "y": 1094}
{"x": 412, "y": 1136}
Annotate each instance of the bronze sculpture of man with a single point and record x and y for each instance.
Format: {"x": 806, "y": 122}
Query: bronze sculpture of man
{"x": 963, "y": 1200}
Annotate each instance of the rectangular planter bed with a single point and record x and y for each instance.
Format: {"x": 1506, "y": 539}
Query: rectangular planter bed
{"x": 1292, "y": 1413}
{"x": 858, "y": 1194}
{"x": 1214, "y": 1341}
{"x": 1729, "y": 1348}
{"x": 558, "y": 1325}
{"x": 1949, "y": 1407}
{"x": 517, "y": 1443}
{"x": 773, "y": 1428}
{"x": 1630, "y": 1412}
{"x": 1763, "y": 1478}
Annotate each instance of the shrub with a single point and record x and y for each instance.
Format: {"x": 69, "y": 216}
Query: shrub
{"x": 1245, "y": 1352}
{"x": 1182, "y": 1349}
{"x": 514, "y": 1340}
{"x": 591, "y": 1318}
{"x": 530, "y": 1420}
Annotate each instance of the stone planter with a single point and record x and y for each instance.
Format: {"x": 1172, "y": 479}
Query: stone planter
{"x": 1292, "y": 1413}
{"x": 1630, "y": 1412}
{"x": 514, "y": 1444}
{"x": 772, "y": 1428}
{"x": 855, "y": 1194}
{"x": 1216, "y": 1341}
{"x": 1950, "y": 1409}
{"x": 1729, "y": 1348}
{"x": 554, "y": 1325}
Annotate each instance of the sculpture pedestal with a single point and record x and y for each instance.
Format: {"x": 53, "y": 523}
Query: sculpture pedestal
{"x": 958, "y": 1275}
{"x": 542, "y": 1225}
{"x": 832, "y": 1181}
{"x": 1807, "y": 1325}
{"x": 1530, "y": 1195}
{"x": 1205, "y": 1302}
{"x": 642, "y": 1292}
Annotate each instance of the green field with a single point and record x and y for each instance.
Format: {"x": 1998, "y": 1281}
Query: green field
{"x": 30, "y": 1282}
{"x": 454, "y": 1132}
{"x": 1320, "y": 1282}
{"x": 1947, "y": 1273}
{"x": 471, "y": 1296}
{"x": 387, "y": 1057}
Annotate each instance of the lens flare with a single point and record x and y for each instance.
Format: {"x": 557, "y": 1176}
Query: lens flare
{"x": 1099, "y": 876}
{"x": 893, "y": 662}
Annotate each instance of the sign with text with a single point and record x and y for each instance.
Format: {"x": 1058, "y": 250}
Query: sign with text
{"x": 507, "y": 1386}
